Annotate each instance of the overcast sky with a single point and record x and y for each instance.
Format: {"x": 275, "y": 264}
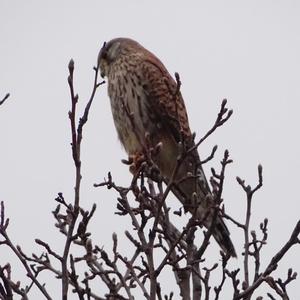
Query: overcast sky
{"x": 245, "y": 51}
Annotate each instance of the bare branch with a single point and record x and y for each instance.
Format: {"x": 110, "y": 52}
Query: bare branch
{"x": 273, "y": 263}
{"x": 17, "y": 252}
{"x": 76, "y": 147}
{"x": 4, "y": 99}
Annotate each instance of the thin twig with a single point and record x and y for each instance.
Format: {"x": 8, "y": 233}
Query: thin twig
{"x": 76, "y": 147}
{"x": 4, "y": 99}
{"x": 249, "y": 193}
{"x": 273, "y": 263}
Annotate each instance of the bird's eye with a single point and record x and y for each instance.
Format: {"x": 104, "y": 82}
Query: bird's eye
{"x": 104, "y": 54}
{"x": 109, "y": 52}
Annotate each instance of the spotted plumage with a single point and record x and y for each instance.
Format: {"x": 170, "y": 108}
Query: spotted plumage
{"x": 148, "y": 107}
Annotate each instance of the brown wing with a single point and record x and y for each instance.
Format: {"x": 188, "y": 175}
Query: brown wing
{"x": 168, "y": 108}
{"x": 165, "y": 99}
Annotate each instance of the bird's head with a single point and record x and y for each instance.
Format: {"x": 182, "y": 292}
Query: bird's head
{"x": 113, "y": 50}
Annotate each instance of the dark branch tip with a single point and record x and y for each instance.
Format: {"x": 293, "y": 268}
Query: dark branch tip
{"x": 71, "y": 65}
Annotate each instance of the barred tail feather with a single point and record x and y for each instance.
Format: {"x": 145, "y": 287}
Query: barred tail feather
{"x": 222, "y": 236}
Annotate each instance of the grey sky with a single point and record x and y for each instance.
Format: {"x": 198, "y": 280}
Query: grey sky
{"x": 245, "y": 51}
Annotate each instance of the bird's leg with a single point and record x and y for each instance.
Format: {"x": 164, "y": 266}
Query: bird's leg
{"x": 135, "y": 161}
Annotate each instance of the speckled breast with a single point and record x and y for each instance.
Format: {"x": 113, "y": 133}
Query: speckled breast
{"x": 130, "y": 109}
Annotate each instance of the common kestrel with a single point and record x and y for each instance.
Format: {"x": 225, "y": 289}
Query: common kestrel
{"x": 148, "y": 110}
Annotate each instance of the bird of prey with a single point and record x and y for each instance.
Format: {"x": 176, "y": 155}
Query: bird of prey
{"x": 148, "y": 110}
